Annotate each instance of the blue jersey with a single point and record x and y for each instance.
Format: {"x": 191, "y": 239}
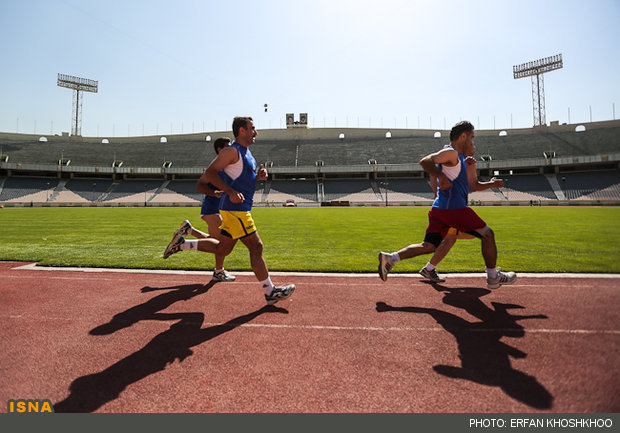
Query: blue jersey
{"x": 241, "y": 177}
{"x": 456, "y": 196}
{"x": 210, "y": 204}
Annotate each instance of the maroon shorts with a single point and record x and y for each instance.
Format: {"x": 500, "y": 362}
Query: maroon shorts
{"x": 440, "y": 221}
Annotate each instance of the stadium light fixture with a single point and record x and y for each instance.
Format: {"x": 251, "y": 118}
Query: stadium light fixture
{"x": 78, "y": 85}
{"x": 536, "y": 69}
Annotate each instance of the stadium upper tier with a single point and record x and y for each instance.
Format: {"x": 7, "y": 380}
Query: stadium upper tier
{"x": 297, "y": 147}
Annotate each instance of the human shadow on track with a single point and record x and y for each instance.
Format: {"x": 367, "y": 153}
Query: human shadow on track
{"x": 89, "y": 393}
{"x": 484, "y": 358}
{"x": 149, "y": 309}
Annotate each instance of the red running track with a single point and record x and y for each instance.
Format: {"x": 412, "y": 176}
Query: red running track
{"x": 144, "y": 342}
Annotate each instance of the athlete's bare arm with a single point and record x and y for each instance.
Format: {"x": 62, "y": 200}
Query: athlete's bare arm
{"x": 433, "y": 181}
{"x": 474, "y": 182}
{"x": 429, "y": 163}
{"x": 226, "y": 157}
{"x": 205, "y": 189}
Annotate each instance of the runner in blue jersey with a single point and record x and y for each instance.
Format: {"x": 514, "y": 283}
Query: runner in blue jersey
{"x": 450, "y": 208}
{"x": 428, "y": 271}
{"x": 210, "y": 213}
{"x": 239, "y": 183}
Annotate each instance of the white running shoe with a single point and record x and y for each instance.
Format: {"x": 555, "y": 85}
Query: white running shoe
{"x": 501, "y": 278}
{"x": 184, "y": 230}
{"x": 279, "y": 294}
{"x": 432, "y": 275}
{"x": 223, "y": 276}
{"x": 385, "y": 265}
{"x": 177, "y": 239}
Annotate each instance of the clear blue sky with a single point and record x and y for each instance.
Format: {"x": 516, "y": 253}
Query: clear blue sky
{"x": 167, "y": 66}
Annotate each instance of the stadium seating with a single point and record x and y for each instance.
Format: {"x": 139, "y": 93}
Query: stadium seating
{"x": 409, "y": 190}
{"x": 487, "y": 196}
{"x": 88, "y": 190}
{"x": 298, "y": 191}
{"x": 346, "y": 151}
{"x": 27, "y": 190}
{"x": 349, "y": 190}
{"x": 327, "y": 165}
{"x": 528, "y": 187}
{"x": 134, "y": 191}
{"x": 191, "y": 150}
{"x": 185, "y": 188}
{"x": 605, "y": 185}
{"x": 133, "y": 152}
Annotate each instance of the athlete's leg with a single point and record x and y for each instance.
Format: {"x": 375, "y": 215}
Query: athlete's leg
{"x": 387, "y": 260}
{"x": 466, "y": 220}
{"x": 207, "y": 245}
{"x": 226, "y": 245}
{"x": 415, "y": 250}
{"x": 489, "y": 249}
{"x": 495, "y": 278}
{"x": 430, "y": 243}
{"x": 197, "y": 233}
{"x": 255, "y": 246}
{"x": 188, "y": 229}
{"x": 214, "y": 221}
{"x": 446, "y": 245}
{"x": 443, "y": 249}
{"x": 273, "y": 293}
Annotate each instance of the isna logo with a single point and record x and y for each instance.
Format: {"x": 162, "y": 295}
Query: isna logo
{"x": 30, "y": 406}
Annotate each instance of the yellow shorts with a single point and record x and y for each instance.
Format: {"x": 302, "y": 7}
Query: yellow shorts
{"x": 237, "y": 224}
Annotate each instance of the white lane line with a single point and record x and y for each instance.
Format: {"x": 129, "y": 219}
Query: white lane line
{"x": 34, "y": 267}
{"x": 361, "y": 328}
{"x": 378, "y": 284}
{"x": 408, "y": 329}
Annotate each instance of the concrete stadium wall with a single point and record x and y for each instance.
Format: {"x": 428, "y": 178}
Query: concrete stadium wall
{"x": 303, "y": 133}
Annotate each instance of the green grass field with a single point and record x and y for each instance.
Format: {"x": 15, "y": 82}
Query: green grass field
{"x": 529, "y": 239}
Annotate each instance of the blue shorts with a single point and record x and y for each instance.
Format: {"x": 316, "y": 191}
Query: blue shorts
{"x": 210, "y": 205}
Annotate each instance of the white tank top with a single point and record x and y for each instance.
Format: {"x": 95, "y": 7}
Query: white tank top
{"x": 234, "y": 170}
{"x": 451, "y": 172}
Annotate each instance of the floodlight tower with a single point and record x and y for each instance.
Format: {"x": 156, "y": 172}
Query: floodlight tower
{"x": 536, "y": 70}
{"x": 78, "y": 85}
